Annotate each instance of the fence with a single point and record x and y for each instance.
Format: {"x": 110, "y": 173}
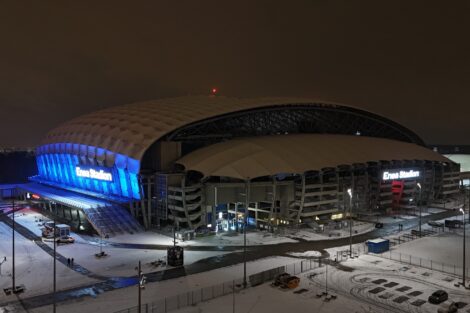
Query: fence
{"x": 194, "y": 297}
{"x": 425, "y": 263}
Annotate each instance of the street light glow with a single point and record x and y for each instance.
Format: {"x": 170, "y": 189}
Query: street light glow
{"x": 419, "y": 185}
{"x": 350, "y": 192}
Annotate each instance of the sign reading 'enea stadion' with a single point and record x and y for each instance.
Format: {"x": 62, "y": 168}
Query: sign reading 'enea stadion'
{"x": 98, "y": 174}
{"x": 387, "y": 175}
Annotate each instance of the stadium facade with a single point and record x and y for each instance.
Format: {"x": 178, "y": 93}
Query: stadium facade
{"x": 198, "y": 161}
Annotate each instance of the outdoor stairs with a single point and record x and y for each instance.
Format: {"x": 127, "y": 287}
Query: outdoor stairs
{"x": 111, "y": 220}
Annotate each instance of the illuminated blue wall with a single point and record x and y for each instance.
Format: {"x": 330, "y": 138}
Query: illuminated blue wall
{"x": 60, "y": 168}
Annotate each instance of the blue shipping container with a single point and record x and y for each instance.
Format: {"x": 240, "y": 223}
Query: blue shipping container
{"x": 378, "y": 245}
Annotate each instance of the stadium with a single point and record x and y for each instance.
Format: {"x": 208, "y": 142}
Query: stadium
{"x": 216, "y": 162}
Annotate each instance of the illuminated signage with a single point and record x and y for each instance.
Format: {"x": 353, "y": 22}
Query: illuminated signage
{"x": 99, "y": 174}
{"x": 400, "y": 175}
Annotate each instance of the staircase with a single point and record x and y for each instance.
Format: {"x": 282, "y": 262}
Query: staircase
{"x": 111, "y": 220}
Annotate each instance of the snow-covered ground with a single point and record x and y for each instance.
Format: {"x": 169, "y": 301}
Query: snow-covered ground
{"x": 127, "y": 297}
{"x": 253, "y": 238}
{"x": 369, "y": 285}
{"x": 358, "y": 228}
{"x": 30, "y": 219}
{"x": 33, "y": 267}
{"x": 306, "y": 254}
{"x": 402, "y": 217}
{"x": 443, "y": 248}
{"x": 118, "y": 262}
{"x": 121, "y": 262}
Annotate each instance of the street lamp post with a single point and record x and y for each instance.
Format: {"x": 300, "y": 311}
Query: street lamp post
{"x": 463, "y": 260}
{"x": 13, "y": 247}
{"x": 247, "y": 203}
{"x": 14, "y": 288}
{"x": 350, "y": 222}
{"x": 326, "y": 277}
{"x": 54, "y": 281}
{"x": 140, "y": 285}
{"x": 419, "y": 204}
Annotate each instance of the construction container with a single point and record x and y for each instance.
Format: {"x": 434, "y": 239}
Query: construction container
{"x": 378, "y": 245}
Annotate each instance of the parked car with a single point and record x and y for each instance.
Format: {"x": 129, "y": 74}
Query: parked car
{"x": 438, "y": 296}
{"x": 379, "y": 225}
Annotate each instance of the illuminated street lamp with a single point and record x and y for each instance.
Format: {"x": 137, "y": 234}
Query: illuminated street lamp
{"x": 463, "y": 261}
{"x": 350, "y": 221}
{"x": 419, "y": 204}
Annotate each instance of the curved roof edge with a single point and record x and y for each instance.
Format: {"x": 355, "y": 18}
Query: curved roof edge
{"x": 253, "y": 157}
{"x": 132, "y": 128}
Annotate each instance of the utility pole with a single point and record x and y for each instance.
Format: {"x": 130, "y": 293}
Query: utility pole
{"x": 468, "y": 202}
{"x": 419, "y": 204}
{"x": 140, "y": 291}
{"x": 140, "y": 285}
{"x": 247, "y": 203}
{"x": 101, "y": 242}
{"x": 326, "y": 277}
{"x": 54, "y": 274}
{"x": 463, "y": 261}
{"x": 233, "y": 297}
{"x": 350, "y": 192}
{"x": 13, "y": 248}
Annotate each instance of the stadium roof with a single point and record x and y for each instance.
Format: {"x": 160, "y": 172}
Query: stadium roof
{"x": 131, "y": 129}
{"x": 248, "y": 158}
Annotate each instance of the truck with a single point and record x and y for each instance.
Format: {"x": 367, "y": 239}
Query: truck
{"x": 62, "y": 232}
{"x": 286, "y": 281}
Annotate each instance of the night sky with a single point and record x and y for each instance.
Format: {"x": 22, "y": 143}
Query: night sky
{"x": 407, "y": 60}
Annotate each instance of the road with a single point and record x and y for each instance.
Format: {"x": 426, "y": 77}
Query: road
{"x": 235, "y": 257}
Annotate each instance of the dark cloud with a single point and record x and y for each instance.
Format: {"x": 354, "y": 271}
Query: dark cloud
{"x": 407, "y": 60}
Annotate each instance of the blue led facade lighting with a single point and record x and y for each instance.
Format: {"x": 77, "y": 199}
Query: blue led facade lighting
{"x": 83, "y": 172}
